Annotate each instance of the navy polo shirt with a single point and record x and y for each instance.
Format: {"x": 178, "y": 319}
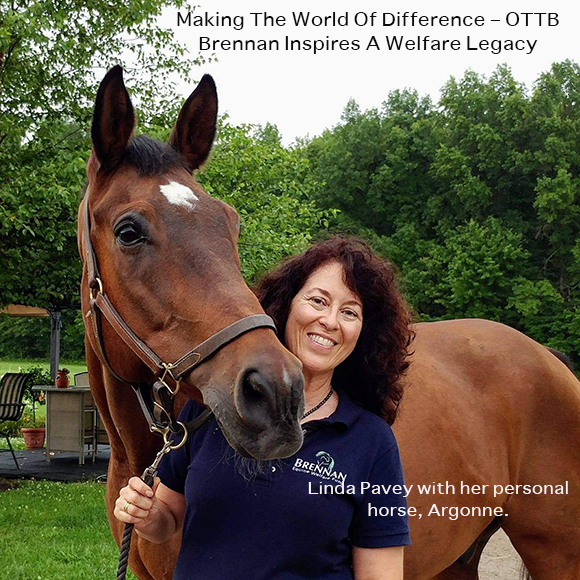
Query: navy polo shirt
{"x": 275, "y": 520}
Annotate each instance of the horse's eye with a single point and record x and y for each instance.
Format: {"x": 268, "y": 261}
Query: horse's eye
{"x": 128, "y": 234}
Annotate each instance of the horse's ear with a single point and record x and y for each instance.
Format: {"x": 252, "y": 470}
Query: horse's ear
{"x": 113, "y": 119}
{"x": 195, "y": 128}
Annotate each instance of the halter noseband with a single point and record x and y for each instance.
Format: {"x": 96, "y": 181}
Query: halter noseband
{"x": 155, "y": 399}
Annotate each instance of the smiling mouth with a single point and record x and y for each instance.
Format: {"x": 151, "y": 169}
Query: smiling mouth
{"x": 321, "y": 340}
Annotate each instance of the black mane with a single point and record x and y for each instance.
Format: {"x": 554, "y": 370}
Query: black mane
{"x": 152, "y": 157}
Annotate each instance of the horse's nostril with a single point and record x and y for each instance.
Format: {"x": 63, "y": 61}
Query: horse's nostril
{"x": 253, "y": 388}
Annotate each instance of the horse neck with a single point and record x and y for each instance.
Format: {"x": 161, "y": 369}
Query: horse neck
{"x": 139, "y": 444}
{"x": 132, "y": 444}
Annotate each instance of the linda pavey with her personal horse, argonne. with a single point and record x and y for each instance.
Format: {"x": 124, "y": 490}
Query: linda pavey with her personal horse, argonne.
{"x": 167, "y": 312}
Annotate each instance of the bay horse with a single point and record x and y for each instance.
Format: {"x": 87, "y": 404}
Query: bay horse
{"x": 483, "y": 405}
{"x": 161, "y": 274}
{"x": 486, "y": 405}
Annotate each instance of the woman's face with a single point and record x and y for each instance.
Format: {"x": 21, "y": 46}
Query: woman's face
{"x": 324, "y": 322}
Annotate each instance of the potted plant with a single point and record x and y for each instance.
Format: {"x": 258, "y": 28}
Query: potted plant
{"x": 33, "y": 431}
{"x": 33, "y": 437}
{"x": 62, "y": 380}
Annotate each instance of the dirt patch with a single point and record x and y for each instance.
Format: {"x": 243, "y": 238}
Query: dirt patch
{"x": 499, "y": 560}
{"x": 6, "y": 484}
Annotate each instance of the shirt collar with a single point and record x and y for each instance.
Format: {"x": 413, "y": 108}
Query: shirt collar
{"x": 343, "y": 417}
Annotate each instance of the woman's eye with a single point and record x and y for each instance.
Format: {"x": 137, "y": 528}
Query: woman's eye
{"x": 351, "y": 313}
{"x": 128, "y": 234}
{"x": 317, "y": 301}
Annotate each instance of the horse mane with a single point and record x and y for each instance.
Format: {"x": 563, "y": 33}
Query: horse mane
{"x": 152, "y": 157}
{"x": 562, "y": 357}
{"x": 149, "y": 157}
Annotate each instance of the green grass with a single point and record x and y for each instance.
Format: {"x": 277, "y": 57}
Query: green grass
{"x": 13, "y": 366}
{"x": 17, "y": 443}
{"x": 54, "y": 531}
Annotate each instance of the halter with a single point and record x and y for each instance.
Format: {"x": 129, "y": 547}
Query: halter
{"x": 156, "y": 398}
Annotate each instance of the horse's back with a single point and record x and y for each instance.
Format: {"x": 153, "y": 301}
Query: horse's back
{"x": 492, "y": 371}
{"x": 485, "y": 404}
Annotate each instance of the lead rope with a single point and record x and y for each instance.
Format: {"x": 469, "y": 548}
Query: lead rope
{"x": 148, "y": 477}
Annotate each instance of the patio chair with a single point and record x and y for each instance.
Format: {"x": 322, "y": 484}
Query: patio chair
{"x": 12, "y": 389}
{"x": 81, "y": 380}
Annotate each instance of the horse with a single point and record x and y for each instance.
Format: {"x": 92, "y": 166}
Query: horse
{"x": 164, "y": 301}
{"x": 484, "y": 405}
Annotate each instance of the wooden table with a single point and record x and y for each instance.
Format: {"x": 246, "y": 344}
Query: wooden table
{"x": 71, "y": 420}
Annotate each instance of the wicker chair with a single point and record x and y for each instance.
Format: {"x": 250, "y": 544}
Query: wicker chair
{"x": 12, "y": 389}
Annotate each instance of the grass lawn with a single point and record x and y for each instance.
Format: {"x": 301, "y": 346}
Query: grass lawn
{"x": 13, "y": 366}
{"x": 54, "y": 531}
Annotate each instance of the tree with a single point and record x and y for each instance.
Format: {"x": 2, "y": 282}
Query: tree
{"x": 51, "y": 55}
{"x": 476, "y": 199}
{"x": 271, "y": 188}
{"x": 374, "y": 165}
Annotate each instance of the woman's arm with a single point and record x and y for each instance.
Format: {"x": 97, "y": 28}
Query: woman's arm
{"x": 156, "y": 513}
{"x": 378, "y": 563}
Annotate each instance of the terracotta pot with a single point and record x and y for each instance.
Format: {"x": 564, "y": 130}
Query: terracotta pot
{"x": 33, "y": 437}
{"x": 62, "y": 380}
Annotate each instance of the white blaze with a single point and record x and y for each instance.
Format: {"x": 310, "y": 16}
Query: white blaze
{"x": 179, "y": 194}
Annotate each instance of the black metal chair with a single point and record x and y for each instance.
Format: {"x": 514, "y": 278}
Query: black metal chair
{"x": 12, "y": 389}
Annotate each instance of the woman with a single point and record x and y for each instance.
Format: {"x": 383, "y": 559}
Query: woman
{"x": 321, "y": 513}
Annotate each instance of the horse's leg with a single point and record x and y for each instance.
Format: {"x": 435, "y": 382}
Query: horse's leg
{"x": 147, "y": 561}
{"x": 547, "y": 559}
{"x": 545, "y": 528}
{"x": 457, "y": 572}
{"x": 465, "y": 567}
{"x": 548, "y": 551}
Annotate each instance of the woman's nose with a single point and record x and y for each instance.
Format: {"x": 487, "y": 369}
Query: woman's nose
{"x": 330, "y": 320}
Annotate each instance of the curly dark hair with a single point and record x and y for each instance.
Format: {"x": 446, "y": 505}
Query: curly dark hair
{"x": 372, "y": 373}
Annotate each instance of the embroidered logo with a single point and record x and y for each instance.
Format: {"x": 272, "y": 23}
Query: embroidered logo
{"x": 323, "y": 467}
{"x": 325, "y": 459}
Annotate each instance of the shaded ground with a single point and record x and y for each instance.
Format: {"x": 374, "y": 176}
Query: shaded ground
{"x": 62, "y": 466}
{"x": 6, "y": 484}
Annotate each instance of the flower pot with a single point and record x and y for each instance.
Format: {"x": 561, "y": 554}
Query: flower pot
{"x": 62, "y": 380}
{"x": 33, "y": 437}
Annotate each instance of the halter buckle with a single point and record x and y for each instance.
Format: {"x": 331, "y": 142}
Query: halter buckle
{"x": 166, "y": 413}
{"x": 167, "y": 370}
{"x": 98, "y": 290}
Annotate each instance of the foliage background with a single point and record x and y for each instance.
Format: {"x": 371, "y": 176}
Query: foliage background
{"x": 474, "y": 198}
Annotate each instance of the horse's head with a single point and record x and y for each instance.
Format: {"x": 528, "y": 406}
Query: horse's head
{"x": 167, "y": 258}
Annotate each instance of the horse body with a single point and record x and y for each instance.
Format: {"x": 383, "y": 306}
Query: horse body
{"x": 486, "y": 405}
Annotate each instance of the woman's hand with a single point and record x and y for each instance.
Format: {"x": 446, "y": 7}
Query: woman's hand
{"x": 137, "y": 504}
{"x": 156, "y": 512}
